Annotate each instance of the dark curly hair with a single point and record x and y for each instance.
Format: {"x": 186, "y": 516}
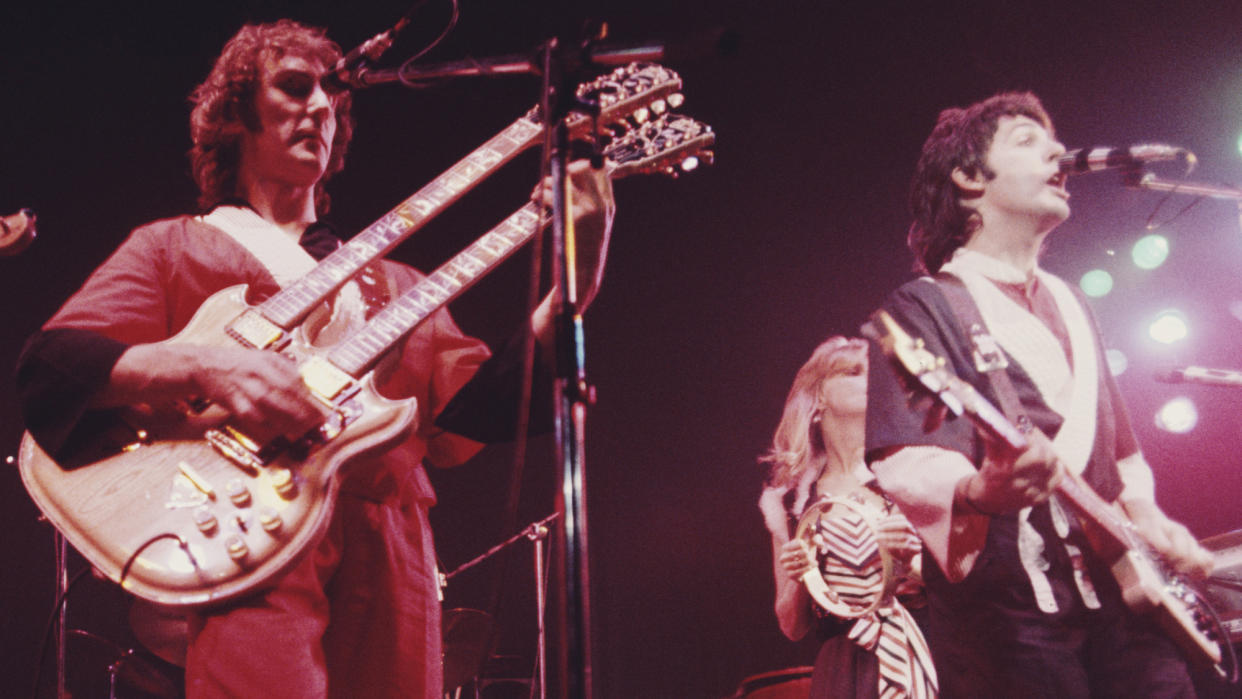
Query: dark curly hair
{"x": 224, "y": 105}
{"x": 961, "y": 139}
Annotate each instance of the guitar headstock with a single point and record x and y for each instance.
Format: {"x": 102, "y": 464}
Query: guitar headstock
{"x": 911, "y": 355}
{"x": 670, "y": 144}
{"x": 638, "y": 91}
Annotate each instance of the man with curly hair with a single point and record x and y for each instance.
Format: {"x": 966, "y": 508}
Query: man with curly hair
{"x": 1019, "y": 603}
{"x": 359, "y": 615}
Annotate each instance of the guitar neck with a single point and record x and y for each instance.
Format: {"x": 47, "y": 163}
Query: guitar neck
{"x": 362, "y": 350}
{"x": 1112, "y": 533}
{"x": 291, "y": 305}
{"x": 652, "y": 149}
{"x": 618, "y": 94}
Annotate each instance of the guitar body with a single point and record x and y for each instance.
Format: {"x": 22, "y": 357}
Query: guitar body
{"x": 144, "y": 517}
{"x": 1148, "y": 589}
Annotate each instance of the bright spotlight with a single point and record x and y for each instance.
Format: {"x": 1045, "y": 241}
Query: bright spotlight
{"x": 1179, "y": 416}
{"x": 1168, "y": 327}
{"x": 1117, "y": 362}
{"x": 1096, "y": 283}
{"x": 1150, "y": 251}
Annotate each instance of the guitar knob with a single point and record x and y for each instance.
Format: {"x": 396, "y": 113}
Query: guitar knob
{"x": 283, "y": 482}
{"x": 237, "y": 492}
{"x": 270, "y": 520}
{"x": 204, "y": 520}
{"x": 237, "y": 548}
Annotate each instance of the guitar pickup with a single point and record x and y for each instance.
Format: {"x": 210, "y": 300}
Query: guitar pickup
{"x": 325, "y": 380}
{"x": 253, "y": 329}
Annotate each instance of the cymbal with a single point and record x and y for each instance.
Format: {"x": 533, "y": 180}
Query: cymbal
{"x": 466, "y": 634}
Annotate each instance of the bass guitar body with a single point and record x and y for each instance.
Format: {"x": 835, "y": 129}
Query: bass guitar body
{"x": 192, "y": 511}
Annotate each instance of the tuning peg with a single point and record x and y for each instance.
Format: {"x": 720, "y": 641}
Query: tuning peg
{"x": 641, "y": 115}
{"x": 676, "y": 99}
{"x": 659, "y": 107}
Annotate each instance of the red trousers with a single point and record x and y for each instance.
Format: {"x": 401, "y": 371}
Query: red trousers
{"x": 360, "y": 616}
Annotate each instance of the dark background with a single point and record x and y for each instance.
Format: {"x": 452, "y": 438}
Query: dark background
{"x": 718, "y": 286}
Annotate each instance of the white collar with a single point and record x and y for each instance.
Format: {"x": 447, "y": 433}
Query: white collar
{"x": 987, "y": 266}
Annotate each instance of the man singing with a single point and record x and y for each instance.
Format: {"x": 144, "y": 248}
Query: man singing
{"x": 359, "y": 615}
{"x": 1019, "y": 603}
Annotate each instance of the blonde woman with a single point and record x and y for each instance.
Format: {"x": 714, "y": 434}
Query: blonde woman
{"x": 817, "y": 452}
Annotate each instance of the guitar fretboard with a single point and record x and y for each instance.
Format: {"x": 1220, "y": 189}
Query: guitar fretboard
{"x": 360, "y": 352}
{"x": 292, "y": 304}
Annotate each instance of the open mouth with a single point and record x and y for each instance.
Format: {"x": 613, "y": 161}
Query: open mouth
{"x": 1057, "y": 181}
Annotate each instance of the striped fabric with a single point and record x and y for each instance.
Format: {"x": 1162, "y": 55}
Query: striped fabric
{"x": 850, "y": 562}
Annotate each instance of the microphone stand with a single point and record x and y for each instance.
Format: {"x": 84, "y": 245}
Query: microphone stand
{"x": 559, "y": 67}
{"x": 1149, "y": 180}
{"x": 1138, "y": 179}
{"x": 535, "y": 532}
{"x": 571, "y": 385}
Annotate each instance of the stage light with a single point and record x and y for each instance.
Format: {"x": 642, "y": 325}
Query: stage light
{"x": 1179, "y": 416}
{"x": 1117, "y": 362}
{"x": 1150, "y": 251}
{"x": 1168, "y": 327}
{"x": 1096, "y": 283}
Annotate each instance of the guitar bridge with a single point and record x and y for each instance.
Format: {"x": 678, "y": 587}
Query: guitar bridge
{"x": 234, "y": 451}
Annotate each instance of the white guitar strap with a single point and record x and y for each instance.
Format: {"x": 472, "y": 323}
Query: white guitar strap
{"x": 1032, "y": 345}
{"x": 279, "y": 252}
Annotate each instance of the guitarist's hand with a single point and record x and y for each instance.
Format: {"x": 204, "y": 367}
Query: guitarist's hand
{"x": 1170, "y": 539}
{"x": 261, "y": 390}
{"x": 593, "y": 209}
{"x": 1010, "y": 480}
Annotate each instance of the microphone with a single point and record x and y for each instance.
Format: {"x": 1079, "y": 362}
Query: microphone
{"x": 1202, "y": 376}
{"x": 1082, "y": 160}
{"x": 348, "y": 71}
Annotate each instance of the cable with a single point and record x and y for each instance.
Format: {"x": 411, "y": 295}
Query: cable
{"x": 185, "y": 546}
{"x": 452, "y": 22}
{"x": 47, "y": 628}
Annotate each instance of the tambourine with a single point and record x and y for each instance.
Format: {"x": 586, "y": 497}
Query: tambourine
{"x": 853, "y": 574}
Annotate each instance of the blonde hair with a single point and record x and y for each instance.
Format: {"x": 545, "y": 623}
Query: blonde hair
{"x": 798, "y": 444}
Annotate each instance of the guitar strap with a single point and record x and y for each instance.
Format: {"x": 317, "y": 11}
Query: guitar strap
{"x": 991, "y": 362}
{"x": 286, "y": 261}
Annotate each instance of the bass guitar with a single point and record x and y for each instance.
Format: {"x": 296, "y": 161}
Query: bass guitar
{"x": 196, "y": 511}
{"x": 1147, "y": 586}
